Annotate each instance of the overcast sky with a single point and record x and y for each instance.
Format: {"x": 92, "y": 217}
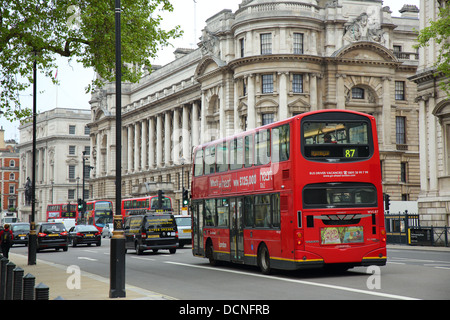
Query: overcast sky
{"x": 74, "y": 78}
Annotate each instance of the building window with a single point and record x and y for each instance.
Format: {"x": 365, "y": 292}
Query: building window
{"x": 298, "y": 43}
{"x": 297, "y": 83}
{"x": 400, "y": 130}
{"x": 11, "y": 176}
{"x": 267, "y": 118}
{"x": 12, "y": 163}
{"x": 87, "y": 130}
{"x": 71, "y": 129}
{"x": 399, "y": 90}
{"x": 87, "y": 150}
{"x": 72, "y": 150}
{"x": 244, "y": 88}
{"x": 403, "y": 171}
{"x": 71, "y": 194}
{"x": 267, "y": 83}
{"x": 11, "y": 189}
{"x": 71, "y": 172}
{"x": 241, "y": 46}
{"x": 357, "y": 93}
{"x": 266, "y": 43}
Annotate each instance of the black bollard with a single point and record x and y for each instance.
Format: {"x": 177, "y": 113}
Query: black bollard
{"x": 10, "y": 266}
{"x": 3, "y": 262}
{"x": 28, "y": 287}
{"x": 42, "y": 291}
{"x": 17, "y": 283}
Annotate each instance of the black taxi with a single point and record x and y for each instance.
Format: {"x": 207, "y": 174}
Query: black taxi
{"x": 151, "y": 231}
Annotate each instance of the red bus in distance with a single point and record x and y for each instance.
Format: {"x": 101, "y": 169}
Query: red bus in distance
{"x": 99, "y": 213}
{"x": 143, "y": 205}
{"x": 62, "y": 211}
{"x": 299, "y": 193}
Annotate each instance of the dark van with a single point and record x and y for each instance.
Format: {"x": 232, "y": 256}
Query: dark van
{"x": 151, "y": 232}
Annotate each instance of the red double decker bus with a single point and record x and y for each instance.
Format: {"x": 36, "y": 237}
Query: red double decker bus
{"x": 143, "y": 205}
{"x": 99, "y": 213}
{"x": 299, "y": 193}
{"x": 62, "y": 211}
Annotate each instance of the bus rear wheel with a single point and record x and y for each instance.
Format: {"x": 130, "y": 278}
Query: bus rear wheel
{"x": 264, "y": 260}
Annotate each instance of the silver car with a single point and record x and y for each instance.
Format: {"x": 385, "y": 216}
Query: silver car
{"x": 108, "y": 230}
{"x": 184, "y": 225}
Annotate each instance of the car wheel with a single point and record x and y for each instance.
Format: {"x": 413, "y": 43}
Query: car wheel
{"x": 172, "y": 251}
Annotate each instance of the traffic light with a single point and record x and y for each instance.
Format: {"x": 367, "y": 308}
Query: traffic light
{"x": 80, "y": 205}
{"x": 185, "y": 197}
{"x": 160, "y": 199}
{"x": 386, "y": 202}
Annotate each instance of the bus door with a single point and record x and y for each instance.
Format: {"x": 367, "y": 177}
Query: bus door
{"x": 197, "y": 228}
{"x": 237, "y": 229}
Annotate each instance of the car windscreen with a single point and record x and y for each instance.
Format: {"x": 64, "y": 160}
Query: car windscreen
{"x": 86, "y": 228}
{"x": 53, "y": 228}
{"x": 21, "y": 228}
{"x": 160, "y": 222}
{"x": 183, "y": 221}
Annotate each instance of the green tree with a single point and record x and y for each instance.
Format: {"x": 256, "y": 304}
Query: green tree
{"x": 76, "y": 29}
{"x": 439, "y": 31}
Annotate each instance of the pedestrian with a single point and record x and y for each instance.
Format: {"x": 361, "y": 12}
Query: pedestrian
{"x": 6, "y": 240}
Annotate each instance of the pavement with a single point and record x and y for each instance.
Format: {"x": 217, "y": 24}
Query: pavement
{"x": 94, "y": 287}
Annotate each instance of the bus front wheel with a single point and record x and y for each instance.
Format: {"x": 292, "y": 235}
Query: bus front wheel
{"x": 264, "y": 259}
{"x": 210, "y": 254}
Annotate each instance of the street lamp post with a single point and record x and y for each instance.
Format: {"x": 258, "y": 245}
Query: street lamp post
{"x": 117, "y": 256}
{"x": 32, "y": 237}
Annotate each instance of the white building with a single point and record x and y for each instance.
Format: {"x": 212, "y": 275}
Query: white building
{"x": 61, "y": 137}
{"x": 267, "y": 61}
{"x": 434, "y": 128}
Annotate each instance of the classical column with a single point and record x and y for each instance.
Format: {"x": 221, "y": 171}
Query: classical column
{"x": 204, "y": 107}
{"x": 195, "y": 125}
{"x": 340, "y": 91}
{"x": 236, "y": 106}
{"x": 283, "y": 91}
{"x": 313, "y": 91}
{"x": 432, "y": 144}
{"x": 251, "y": 109}
{"x": 130, "y": 148}
{"x": 137, "y": 149}
{"x": 167, "y": 139}
{"x": 387, "y": 112}
{"x": 222, "y": 120}
{"x": 186, "y": 135}
{"x": 151, "y": 144}
{"x": 125, "y": 148}
{"x": 176, "y": 136}
{"x": 159, "y": 137}
{"x": 423, "y": 147}
{"x": 98, "y": 167}
{"x": 144, "y": 153}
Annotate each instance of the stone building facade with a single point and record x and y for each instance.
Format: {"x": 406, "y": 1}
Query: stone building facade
{"x": 61, "y": 137}
{"x": 265, "y": 62}
{"x": 434, "y": 128}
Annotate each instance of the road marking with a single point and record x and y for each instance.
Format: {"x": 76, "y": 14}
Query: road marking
{"x": 445, "y": 268}
{"x": 86, "y": 258}
{"x": 390, "y": 262}
{"x": 141, "y": 258}
{"x": 309, "y": 283}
